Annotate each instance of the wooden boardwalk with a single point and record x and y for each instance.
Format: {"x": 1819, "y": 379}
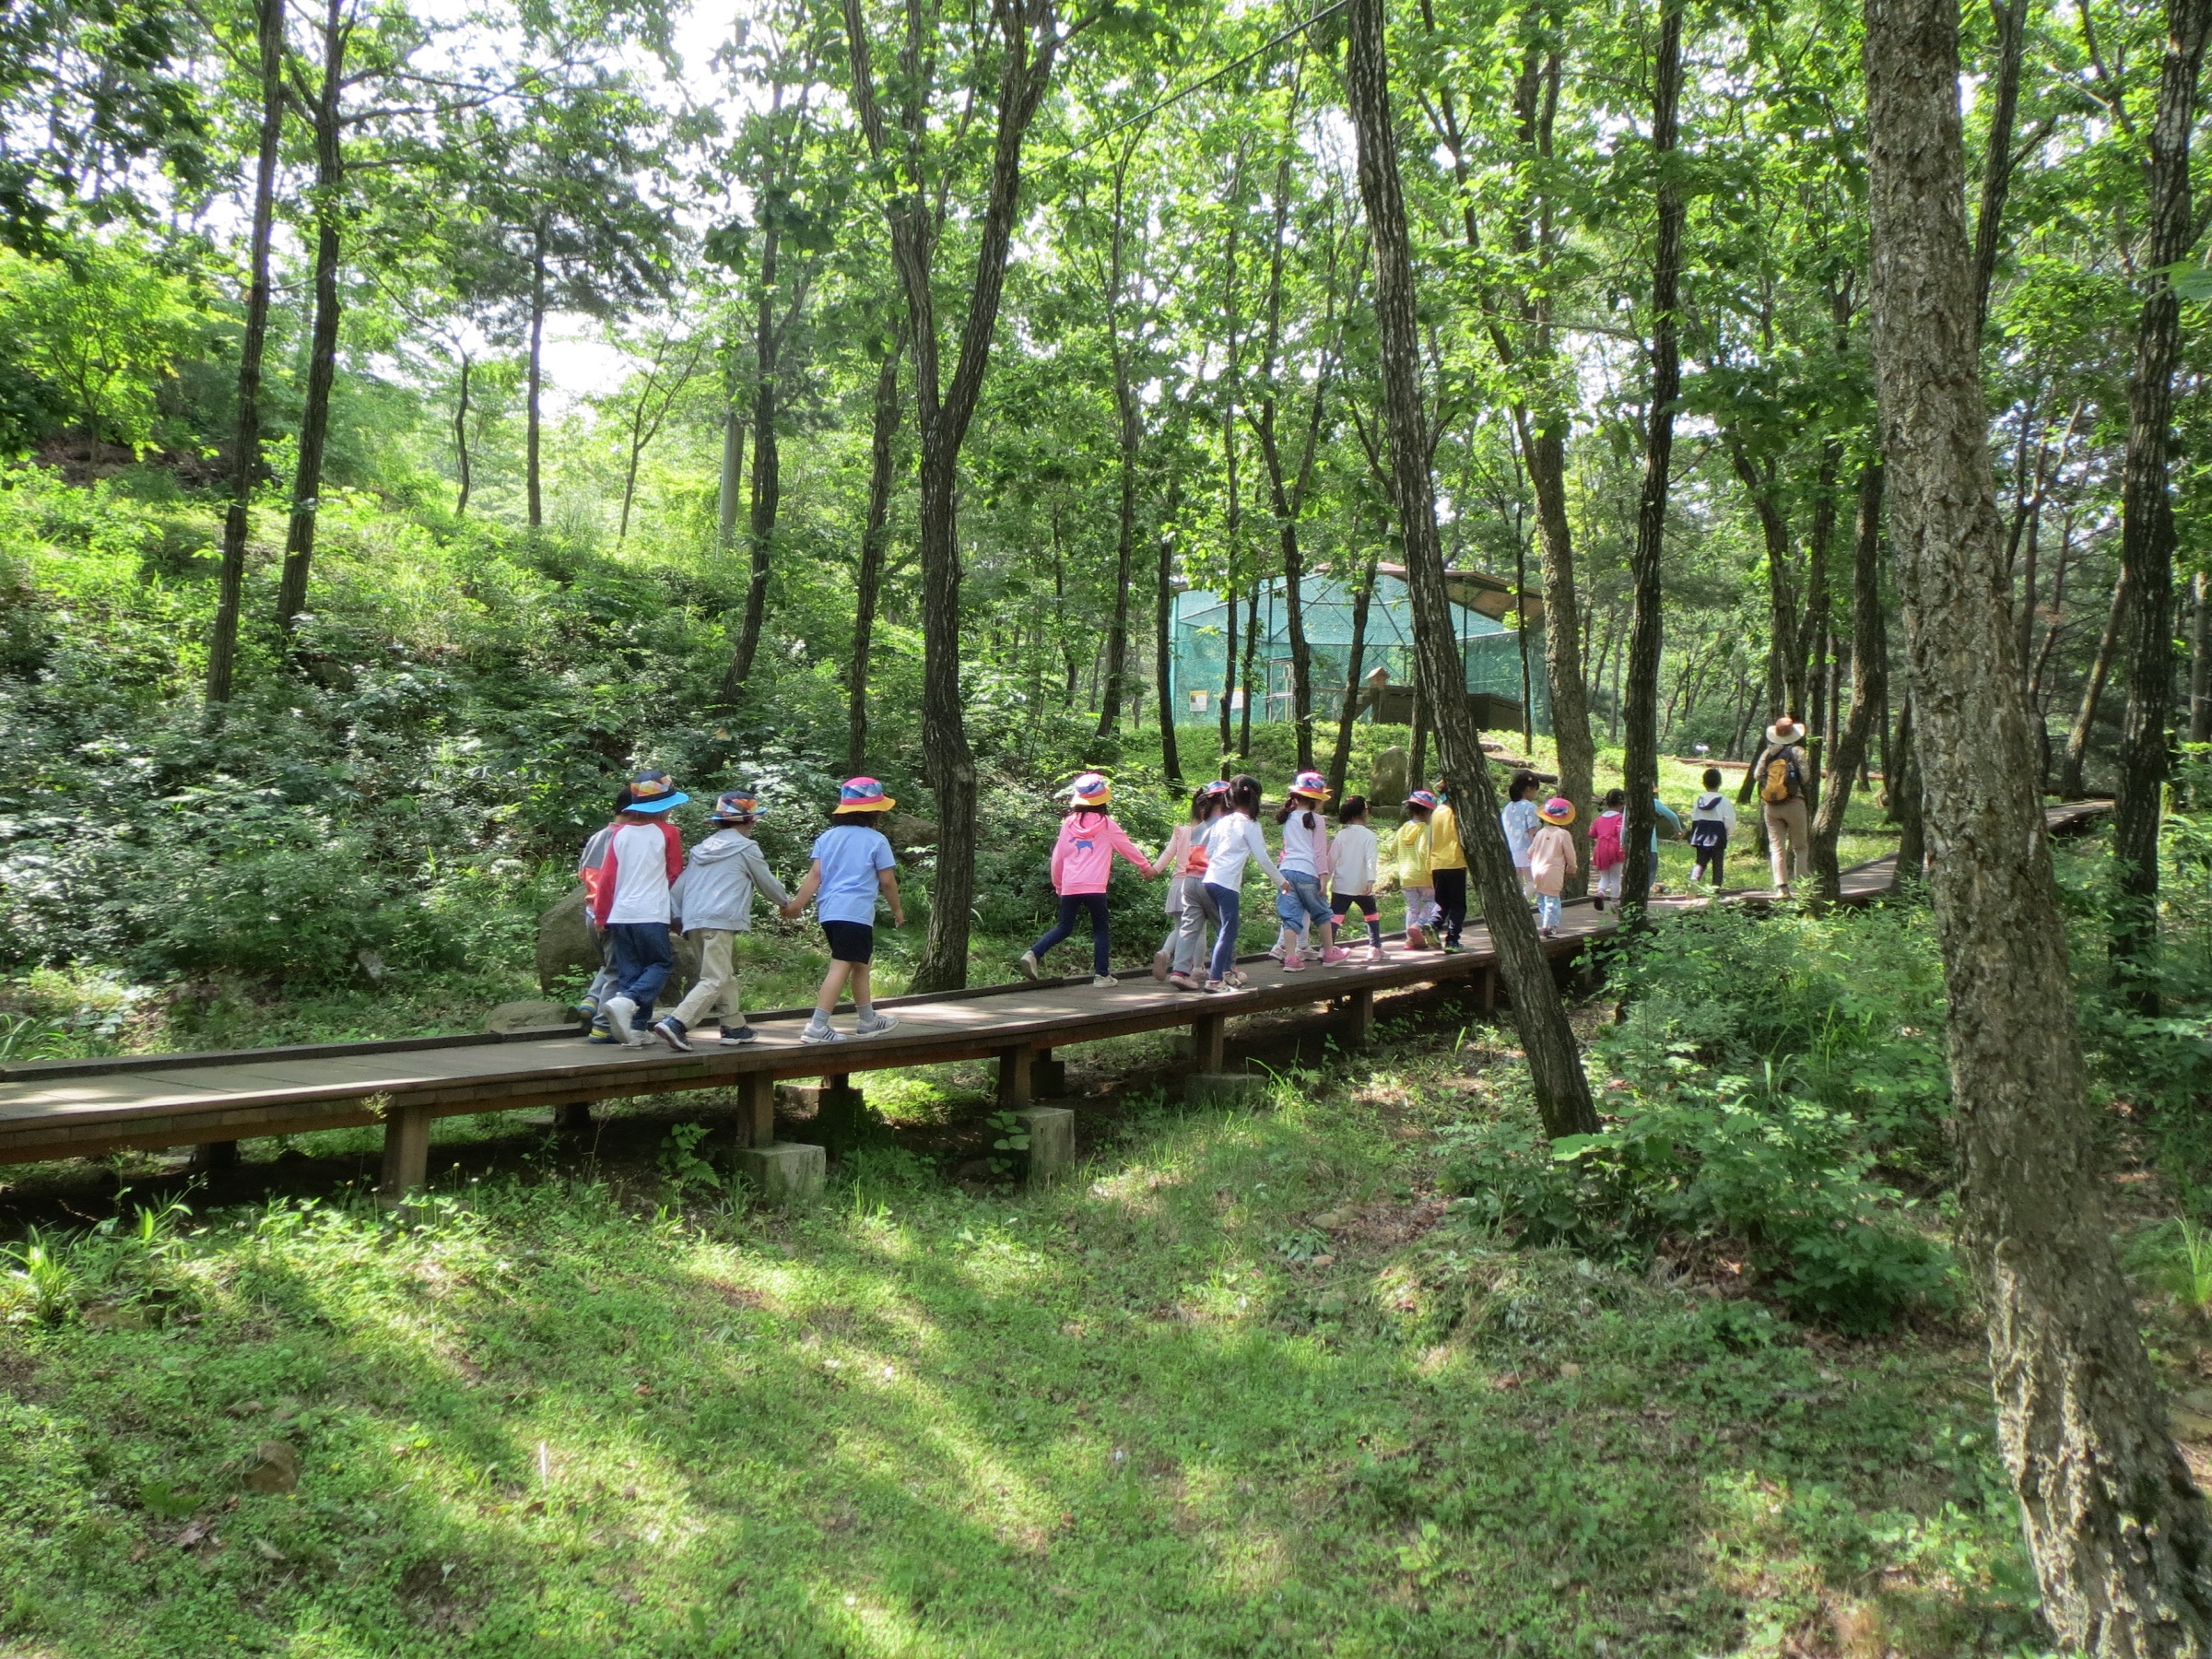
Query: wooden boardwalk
{"x": 67, "y": 1108}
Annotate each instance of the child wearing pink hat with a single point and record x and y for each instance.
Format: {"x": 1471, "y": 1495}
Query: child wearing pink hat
{"x": 1551, "y": 860}
{"x": 1082, "y": 862}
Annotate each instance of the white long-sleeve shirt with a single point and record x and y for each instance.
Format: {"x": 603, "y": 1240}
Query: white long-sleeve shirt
{"x": 1231, "y": 840}
{"x": 1353, "y": 862}
{"x": 1305, "y": 850}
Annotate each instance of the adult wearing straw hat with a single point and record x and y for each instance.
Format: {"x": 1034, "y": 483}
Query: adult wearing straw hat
{"x": 1779, "y": 775}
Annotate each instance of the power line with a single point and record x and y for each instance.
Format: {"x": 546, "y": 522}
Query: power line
{"x": 1184, "y": 92}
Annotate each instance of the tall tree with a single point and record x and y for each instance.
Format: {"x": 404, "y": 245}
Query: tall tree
{"x": 1562, "y": 1090}
{"x": 1869, "y": 677}
{"x": 2117, "y": 1529}
{"x": 1029, "y": 40}
{"x": 875, "y": 537}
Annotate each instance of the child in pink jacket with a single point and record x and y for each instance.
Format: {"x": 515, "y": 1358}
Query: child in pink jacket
{"x": 1082, "y": 860}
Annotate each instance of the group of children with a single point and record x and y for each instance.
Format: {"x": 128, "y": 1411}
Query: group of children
{"x": 641, "y": 892}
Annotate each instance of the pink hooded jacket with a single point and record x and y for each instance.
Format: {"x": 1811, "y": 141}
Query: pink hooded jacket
{"x": 1083, "y": 856}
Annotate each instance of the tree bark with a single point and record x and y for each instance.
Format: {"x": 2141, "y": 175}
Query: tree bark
{"x": 1163, "y": 640}
{"x": 2116, "y": 1526}
{"x": 2072, "y": 773}
{"x": 883, "y": 432}
{"x": 245, "y": 457}
{"x": 1029, "y": 41}
{"x": 1128, "y": 432}
{"x": 2011, "y": 18}
{"x": 460, "y": 437}
{"x": 2147, "y": 535}
{"x": 1340, "y": 762}
{"x": 536, "y": 377}
{"x": 323, "y": 345}
{"x": 1869, "y": 669}
{"x": 732, "y": 481}
{"x": 767, "y": 480}
{"x": 1639, "y": 760}
{"x": 2200, "y": 662}
{"x": 1563, "y": 1091}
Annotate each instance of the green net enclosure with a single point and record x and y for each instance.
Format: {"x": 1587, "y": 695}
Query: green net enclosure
{"x": 1501, "y": 642}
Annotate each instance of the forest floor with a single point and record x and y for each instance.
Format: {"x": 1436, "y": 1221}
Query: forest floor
{"x": 1250, "y": 1382}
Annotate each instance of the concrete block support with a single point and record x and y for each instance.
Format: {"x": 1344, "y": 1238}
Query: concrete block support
{"x": 784, "y": 1174}
{"x": 1220, "y": 1089}
{"x": 1052, "y": 1132}
{"x": 407, "y": 1152}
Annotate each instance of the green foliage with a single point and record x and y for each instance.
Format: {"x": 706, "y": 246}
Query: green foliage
{"x": 681, "y": 1163}
{"x": 2175, "y": 1260}
{"x": 103, "y": 328}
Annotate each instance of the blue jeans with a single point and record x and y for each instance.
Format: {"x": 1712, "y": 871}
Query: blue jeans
{"x": 643, "y": 955}
{"x": 1547, "y": 910}
{"x": 1303, "y": 905}
{"x": 1226, "y": 901}
{"x": 1071, "y": 905}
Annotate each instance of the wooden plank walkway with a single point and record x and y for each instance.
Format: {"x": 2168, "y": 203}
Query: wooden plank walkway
{"x": 66, "y": 1109}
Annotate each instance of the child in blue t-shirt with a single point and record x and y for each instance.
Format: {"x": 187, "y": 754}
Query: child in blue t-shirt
{"x": 853, "y": 863}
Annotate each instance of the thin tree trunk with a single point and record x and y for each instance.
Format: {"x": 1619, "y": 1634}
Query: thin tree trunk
{"x": 2200, "y": 662}
{"x": 1229, "y": 671}
{"x": 1129, "y": 430}
{"x": 1563, "y": 1091}
{"x": 1163, "y": 643}
{"x": 534, "y": 415}
{"x": 1340, "y": 760}
{"x": 1906, "y": 802}
{"x": 460, "y": 437}
{"x": 1640, "y": 761}
{"x": 732, "y": 482}
{"x": 2146, "y": 535}
{"x": 1996, "y": 165}
{"x": 768, "y": 480}
{"x": 1869, "y": 659}
{"x": 245, "y": 457}
{"x": 1252, "y": 642}
{"x": 2116, "y": 1526}
{"x": 883, "y": 432}
{"x": 1544, "y": 445}
{"x": 323, "y": 347}
{"x": 2071, "y": 775}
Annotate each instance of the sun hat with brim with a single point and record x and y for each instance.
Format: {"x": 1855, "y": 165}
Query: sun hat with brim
{"x": 654, "y": 791}
{"x": 1092, "y": 789}
{"x": 863, "y": 794}
{"x": 1420, "y": 797}
{"x": 1219, "y": 786}
{"x": 1785, "y": 730}
{"x": 1558, "y": 810}
{"x": 1310, "y": 784}
{"x": 737, "y": 805}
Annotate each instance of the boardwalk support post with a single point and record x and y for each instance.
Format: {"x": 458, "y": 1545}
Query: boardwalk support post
{"x": 215, "y": 1155}
{"x": 1358, "y": 1025}
{"x": 756, "y": 1108}
{"x": 407, "y": 1152}
{"x": 575, "y": 1118}
{"x": 1052, "y": 1133}
{"x": 1014, "y": 1077}
{"x": 1048, "y": 1077}
{"x": 784, "y": 1174}
{"x": 1209, "y": 1079}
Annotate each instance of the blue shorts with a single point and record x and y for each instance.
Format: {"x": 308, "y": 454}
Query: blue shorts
{"x": 850, "y": 941}
{"x": 1303, "y": 905}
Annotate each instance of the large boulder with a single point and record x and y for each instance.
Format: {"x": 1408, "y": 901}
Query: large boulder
{"x": 532, "y": 1015}
{"x": 567, "y": 945}
{"x": 1387, "y": 781}
{"x": 904, "y": 829}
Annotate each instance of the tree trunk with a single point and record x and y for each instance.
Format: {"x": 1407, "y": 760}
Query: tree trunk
{"x": 1128, "y": 432}
{"x": 1163, "y": 640}
{"x": 1028, "y": 43}
{"x": 2200, "y": 662}
{"x": 460, "y": 437}
{"x": 1252, "y": 642}
{"x": 2147, "y": 535}
{"x": 1340, "y": 762}
{"x": 1563, "y": 1091}
{"x": 245, "y": 457}
{"x": 1869, "y": 666}
{"x": 536, "y": 379}
{"x": 1545, "y": 447}
{"x": 883, "y": 432}
{"x": 1905, "y": 801}
{"x": 1229, "y": 671}
{"x": 732, "y": 482}
{"x": 1996, "y": 165}
{"x": 323, "y": 347}
{"x": 2071, "y": 774}
{"x": 2114, "y": 1524}
{"x": 1640, "y": 761}
{"x": 768, "y": 482}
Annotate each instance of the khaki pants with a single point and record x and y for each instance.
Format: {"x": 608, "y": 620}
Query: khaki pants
{"x": 717, "y": 987}
{"x": 1787, "y": 840}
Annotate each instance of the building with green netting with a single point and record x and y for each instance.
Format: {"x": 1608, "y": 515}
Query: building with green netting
{"x": 1501, "y": 635}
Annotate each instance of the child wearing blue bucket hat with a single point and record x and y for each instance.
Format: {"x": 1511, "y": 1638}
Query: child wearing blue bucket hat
{"x": 643, "y": 858}
{"x": 713, "y": 900}
{"x": 853, "y": 865}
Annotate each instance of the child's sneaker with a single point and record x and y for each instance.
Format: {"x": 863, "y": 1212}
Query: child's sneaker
{"x": 1180, "y": 981}
{"x": 1598, "y": 902}
{"x": 744, "y": 1033}
{"x": 586, "y": 1010}
{"x": 1159, "y": 966}
{"x": 821, "y": 1030}
{"x": 620, "y": 1011}
{"x": 670, "y": 1031}
{"x": 1375, "y": 954}
{"x": 1234, "y": 978}
{"x": 1098, "y": 981}
{"x": 1416, "y": 939}
{"x": 602, "y": 1036}
{"x": 873, "y": 1024}
{"x": 1216, "y": 987}
{"x": 1027, "y": 962}
{"x": 1334, "y": 954}
{"x": 1294, "y": 963}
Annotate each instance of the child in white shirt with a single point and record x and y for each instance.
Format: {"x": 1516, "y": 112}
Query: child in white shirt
{"x": 1354, "y": 864}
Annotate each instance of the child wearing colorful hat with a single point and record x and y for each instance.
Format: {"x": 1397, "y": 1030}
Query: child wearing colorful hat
{"x": 1082, "y": 864}
{"x": 644, "y": 856}
{"x": 1551, "y": 860}
{"x": 713, "y": 900}
{"x": 852, "y": 865}
{"x": 1607, "y": 859}
{"x": 1301, "y": 907}
{"x": 1414, "y": 877}
{"x": 1191, "y": 911}
{"x": 1354, "y": 864}
{"x": 588, "y": 863}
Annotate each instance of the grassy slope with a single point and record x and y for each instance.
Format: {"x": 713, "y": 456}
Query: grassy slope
{"x": 1241, "y": 1387}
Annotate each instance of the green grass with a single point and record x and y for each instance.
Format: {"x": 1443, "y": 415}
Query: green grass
{"x": 1245, "y": 1385}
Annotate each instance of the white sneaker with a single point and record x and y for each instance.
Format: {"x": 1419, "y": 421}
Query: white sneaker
{"x": 1101, "y": 980}
{"x": 874, "y": 1025}
{"x": 1027, "y": 962}
{"x": 821, "y": 1031}
{"x": 620, "y": 1011}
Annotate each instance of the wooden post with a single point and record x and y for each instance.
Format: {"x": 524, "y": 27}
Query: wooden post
{"x": 1048, "y": 1077}
{"x": 575, "y": 1118}
{"x": 756, "y": 1108}
{"x": 1013, "y": 1091}
{"x": 1359, "y": 1018}
{"x": 407, "y": 1150}
{"x": 1207, "y": 1033}
{"x": 215, "y": 1155}
{"x": 1490, "y": 988}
